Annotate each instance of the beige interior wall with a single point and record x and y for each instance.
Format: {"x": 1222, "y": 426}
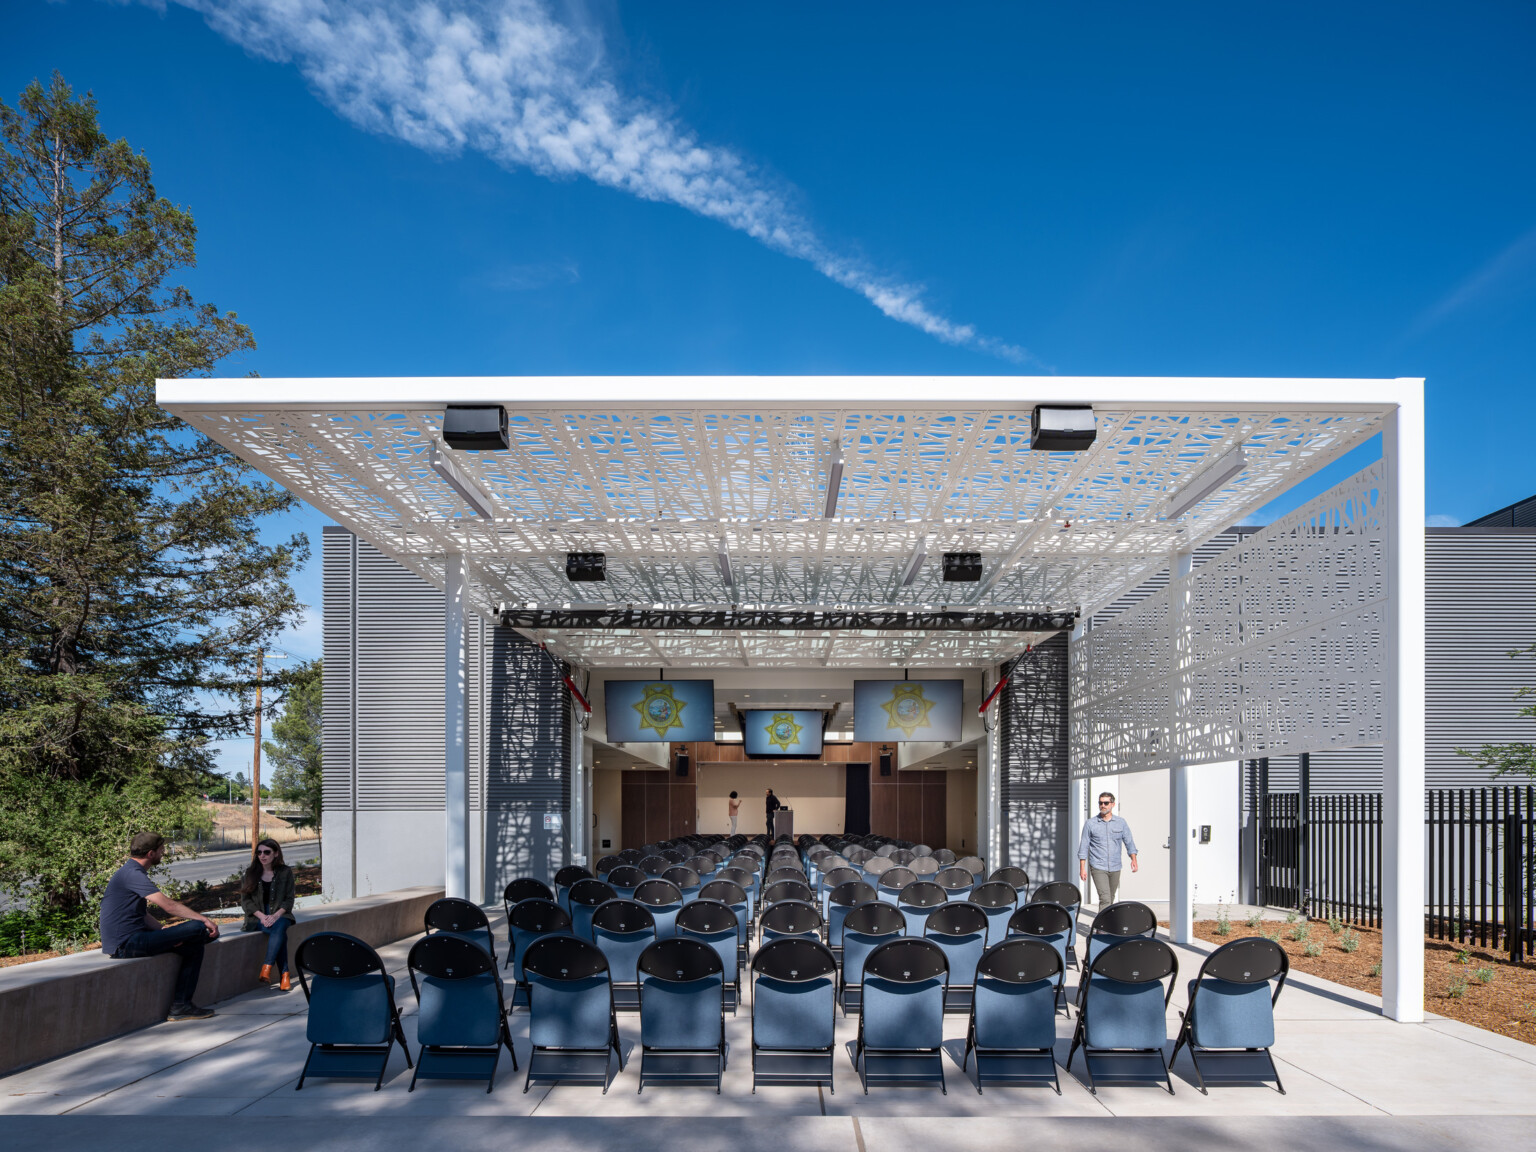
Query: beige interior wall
{"x": 960, "y": 810}
{"x": 815, "y": 791}
{"x": 607, "y": 808}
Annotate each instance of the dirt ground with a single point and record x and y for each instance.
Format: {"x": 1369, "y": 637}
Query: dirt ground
{"x": 1453, "y": 974}
{"x": 306, "y": 882}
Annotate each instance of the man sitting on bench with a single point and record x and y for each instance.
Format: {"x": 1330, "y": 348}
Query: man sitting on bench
{"x": 128, "y": 930}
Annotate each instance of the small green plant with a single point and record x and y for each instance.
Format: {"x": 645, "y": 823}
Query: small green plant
{"x": 1255, "y": 918}
{"x": 1301, "y": 933}
{"x": 1457, "y": 988}
{"x": 1313, "y": 949}
{"x": 1272, "y": 934}
{"x": 1335, "y": 925}
{"x": 1484, "y": 975}
{"x": 1291, "y": 917}
{"x": 1376, "y": 969}
{"x": 1463, "y": 956}
{"x": 1349, "y": 940}
{"x": 1223, "y": 924}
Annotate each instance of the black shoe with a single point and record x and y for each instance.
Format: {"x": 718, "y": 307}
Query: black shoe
{"x": 189, "y": 1011}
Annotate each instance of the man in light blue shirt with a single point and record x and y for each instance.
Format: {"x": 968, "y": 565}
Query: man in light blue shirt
{"x": 1098, "y": 851}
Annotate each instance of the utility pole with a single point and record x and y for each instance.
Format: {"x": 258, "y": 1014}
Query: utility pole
{"x": 256, "y": 759}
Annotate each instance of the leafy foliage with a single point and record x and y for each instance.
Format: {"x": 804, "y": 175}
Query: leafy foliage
{"x": 134, "y": 587}
{"x": 1513, "y": 759}
{"x": 294, "y": 750}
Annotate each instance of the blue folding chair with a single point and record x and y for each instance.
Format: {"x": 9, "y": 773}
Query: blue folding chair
{"x": 582, "y": 900}
{"x": 1127, "y": 920}
{"x": 956, "y": 882}
{"x": 705, "y": 866}
{"x": 892, "y": 881}
{"x": 624, "y": 880}
{"x": 781, "y": 890}
{"x": 461, "y": 1022}
{"x": 746, "y": 880}
{"x": 653, "y": 865}
{"x": 735, "y": 897}
{"x": 606, "y": 864}
{"x": 1051, "y": 924}
{"x": 353, "y": 1022}
{"x": 917, "y": 901}
{"x": 565, "y": 878}
{"x": 840, "y": 901}
{"x": 1013, "y": 1014}
{"x": 1070, "y": 897}
{"x": 572, "y": 1025}
{"x": 686, "y": 879}
{"x": 462, "y": 918}
{"x": 999, "y": 900}
{"x": 794, "y": 1007}
{"x": 961, "y": 931}
{"x": 831, "y": 879}
{"x": 1230, "y": 1022}
{"x": 623, "y": 929}
{"x": 665, "y": 900}
{"x": 714, "y": 922}
{"x": 876, "y": 866}
{"x": 523, "y": 888}
{"x": 901, "y": 1021}
{"x": 791, "y": 918}
{"x": 531, "y": 919}
{"x": 1015, "y": 878}
{"x": 865, "y": 928}
{"x": 682, "y": 1014}
{"x": 1122, "y": 1017}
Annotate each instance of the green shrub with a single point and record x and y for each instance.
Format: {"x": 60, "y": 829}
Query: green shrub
{"x": 46, "y": 931}
{"x": 1335, "y": 925}
{"x": 1463, "y": 956}
{"x": 1291, "y": 917}
{"x": 1349, "y": 940}
{"x": 1484, "y": 975}
{"x": 1457, "y": 988}
{"x": 1255, "y": 918}
{"x": 1313, "y": 949}
{"x": 1301, "y": 933}
{"x": 1223, "y": 924}
{"x": 1272, "y": 934}
{"x": 1376, "y": 969}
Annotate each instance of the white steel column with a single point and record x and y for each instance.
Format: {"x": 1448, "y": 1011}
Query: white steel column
{"x": 1402, "y": 824}
{"x": 455, "y": 732}
{"x": 576, "y": 836}
{"x": 1180, "y": 898}
{"x": 1079, "y": 804}
{"x": 989, "y": 803}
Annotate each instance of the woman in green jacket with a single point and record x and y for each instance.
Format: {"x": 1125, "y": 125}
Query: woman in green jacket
{"x": 266, "y": 896}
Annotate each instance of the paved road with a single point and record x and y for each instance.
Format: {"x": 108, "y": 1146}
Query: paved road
{"x": 215, "y": 866}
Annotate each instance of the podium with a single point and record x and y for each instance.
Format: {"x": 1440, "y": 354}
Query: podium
{"x": 784, "y": 823}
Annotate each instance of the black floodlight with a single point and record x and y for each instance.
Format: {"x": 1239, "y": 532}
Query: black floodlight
{"x": 585, "y": 566}
{"x": 962, "y": 566}
{"x": 476, "y": 427}
{"x": 1062, "y": 428}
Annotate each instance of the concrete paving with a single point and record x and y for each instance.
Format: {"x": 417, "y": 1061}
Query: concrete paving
{"x": 1352, "y": 1078}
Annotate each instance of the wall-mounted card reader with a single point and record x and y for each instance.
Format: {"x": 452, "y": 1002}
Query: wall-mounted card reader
{"x": 1205, "y": 833}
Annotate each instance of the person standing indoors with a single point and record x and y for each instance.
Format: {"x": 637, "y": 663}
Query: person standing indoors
{"x": 128, "y": 931}
{"x": 1098, "y": 851}
{"x": 773, "y": 806}
{"x": 266, "y": 898}
{"x": 735, "y": 807}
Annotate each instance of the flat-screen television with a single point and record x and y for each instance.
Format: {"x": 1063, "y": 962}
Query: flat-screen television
{"x": 780, "y": 732}
{"x": 887, "y": 711}
{"x": 641, "y": 711}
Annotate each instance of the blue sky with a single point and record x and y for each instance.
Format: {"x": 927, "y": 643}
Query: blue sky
{"x": 1205, "y": 189}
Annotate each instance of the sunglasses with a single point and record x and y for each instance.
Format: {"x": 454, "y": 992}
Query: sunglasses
{"x": 1106, "y": 803}
{"x": 265, "y": 852}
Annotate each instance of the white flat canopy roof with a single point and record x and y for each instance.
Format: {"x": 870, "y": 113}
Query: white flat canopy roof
{"x": 681, "y": 480}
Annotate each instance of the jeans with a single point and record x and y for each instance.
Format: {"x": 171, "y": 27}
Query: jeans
{"x": 277, "y": 943}
{"x": 1106, "y": 884}
{"x": 186, "y": 940}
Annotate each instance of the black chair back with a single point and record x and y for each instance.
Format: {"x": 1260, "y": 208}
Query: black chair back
{"x": 564, "y": 958}
{"x": 570, "y": 874}
{"x": 959, "y": 919}
{"x": 449, "y": 958}
{"x": 877, "y": 918}
{"x": 623, "y": 916}
{"x": 975, "y": 865}
{"x": 1139, "y": 961}
{"x": 682, "y": 876}
{"x": 794, "y": 959}
{"x": 742, "y": 876}
{"x": 954, "y": 879}
{"x": 702, "y": 865}
{"x": 1127, "y": 918}
{"x": 897, "y": 877}
{"x": 673, "y": 855}
{"x": 903, "y": 856}
{"x": 526, "y": 888}
{"x": 1020, "y": 961}
{"x": 1040, "y": 918}
{"x": 1062, "y": 892}
{"x": 591, "y": 893}
{"x": 607, "y": 864}
{"x": 909, "y": 960}
{"x": 725, "y": 891}
{"x": 654, "y": 865}
{"x": 626, "y": 876}
{"x": 659, "y": 893}
{"x": 538, "y": 915}
{"x": 835, "y": 876}
{"x": 784, "y": 872}
{"x": 451, "y": 914}
{"x": 922, "y": 894}
{"x": 679, "y": 958}
{"x": 787, "y": 890}
{"x": 994, "y": 894}
{"x": 707, "y": 916}
{"x": 852, "y": 893}
{"x": 337, "y": 955}
{"x": 1014, "y": 876}
{"x": 1252, "y": 960}
{"x": 792, "y": 916}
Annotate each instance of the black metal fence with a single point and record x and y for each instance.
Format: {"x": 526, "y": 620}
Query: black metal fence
{"x": 1323, "y": 858}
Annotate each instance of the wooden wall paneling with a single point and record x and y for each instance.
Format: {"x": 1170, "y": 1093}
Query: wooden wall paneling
{"x": 658, "y": 808}
{"x": 910, "y": 812}
{"x": 684, "y": 804}
{"x": 935, "y": 809}
{"x": 632, "y": 811}
{"x": 883, "y": 809}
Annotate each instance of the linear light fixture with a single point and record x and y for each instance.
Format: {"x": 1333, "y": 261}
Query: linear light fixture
{"x": 443, "y": 465}
{"x": 909, "y": 573}
{"x": 834, "y": 480}
{"x": 1207, "y": 482}
{"x": 723, "y": 559}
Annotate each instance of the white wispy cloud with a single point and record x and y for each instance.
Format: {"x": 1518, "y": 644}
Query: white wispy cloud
{"x": 509, "y": 80}
{"x": 1510, "y": 263}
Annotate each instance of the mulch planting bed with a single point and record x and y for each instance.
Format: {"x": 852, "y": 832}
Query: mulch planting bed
{"x": 1454, "y": 974}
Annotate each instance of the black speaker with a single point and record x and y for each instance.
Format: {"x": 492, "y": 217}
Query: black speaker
{"x": 682, "y": 763}
{"x": 585, "y": 566}
{"x": 962, "y": 566}
{"x": 885, "y": 763}
{"x": 476, "y": 427}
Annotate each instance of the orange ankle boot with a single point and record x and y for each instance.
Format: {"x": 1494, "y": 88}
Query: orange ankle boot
{"x": 266, "y": 974}
{"x": 283, "y": 984}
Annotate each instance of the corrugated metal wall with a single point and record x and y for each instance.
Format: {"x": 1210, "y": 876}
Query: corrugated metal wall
{"x": 1033, "y": 777}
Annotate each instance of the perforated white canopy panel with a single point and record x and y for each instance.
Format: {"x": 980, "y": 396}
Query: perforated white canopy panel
{"x": 712, "y": 491}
